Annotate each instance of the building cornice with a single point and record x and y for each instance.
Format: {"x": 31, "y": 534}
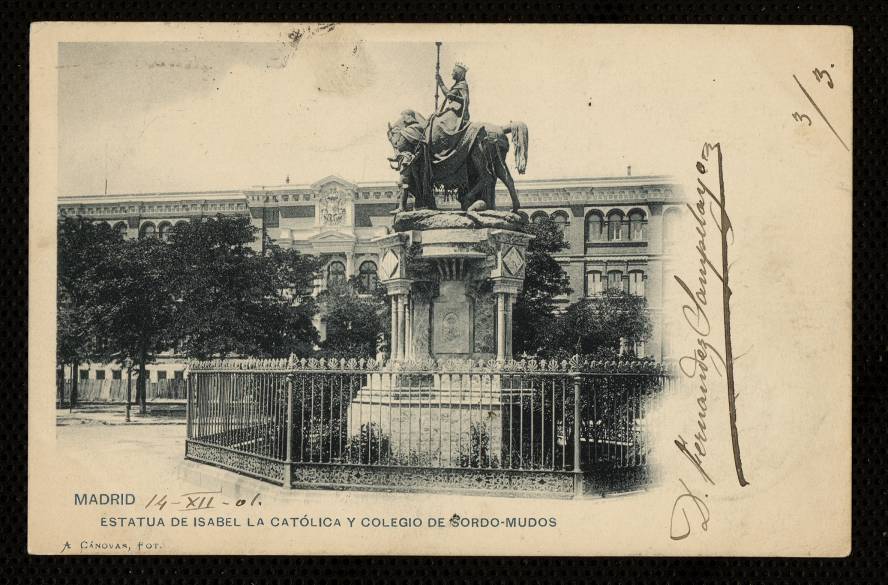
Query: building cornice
{"x": 565, "y": 192}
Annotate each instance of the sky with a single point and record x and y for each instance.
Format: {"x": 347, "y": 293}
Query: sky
{"x": 191, "y": 116}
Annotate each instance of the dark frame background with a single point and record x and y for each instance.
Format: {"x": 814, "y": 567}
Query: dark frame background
{"x": 867, "y": 562}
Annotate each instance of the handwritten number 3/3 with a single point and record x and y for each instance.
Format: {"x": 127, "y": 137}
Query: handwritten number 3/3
{"x": 798, "y": 117}
{"x": 819, "y": 74}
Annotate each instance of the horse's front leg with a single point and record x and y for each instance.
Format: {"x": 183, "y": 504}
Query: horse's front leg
{"x": 405, "y": 192}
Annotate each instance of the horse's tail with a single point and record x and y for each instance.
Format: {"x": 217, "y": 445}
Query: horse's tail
{"x": 518, "y": 130}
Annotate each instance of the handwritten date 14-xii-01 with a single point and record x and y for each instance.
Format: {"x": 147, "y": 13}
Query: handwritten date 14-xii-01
{"x": 705, "y": 356}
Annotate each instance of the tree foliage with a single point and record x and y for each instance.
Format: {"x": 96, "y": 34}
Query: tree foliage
{"x": 356, "y": 319}
{"x": 137, "y": 298}
{"x": 234, "y": 300}
{"x": 544, "y": 281}
{"x": 600, "y": 326}
{"x": 207, "y": 292}
{"x": 82, "y": 243}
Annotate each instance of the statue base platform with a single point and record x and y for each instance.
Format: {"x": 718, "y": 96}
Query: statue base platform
{"x": 435, "y": 419}
{"x": 432, "y": 219}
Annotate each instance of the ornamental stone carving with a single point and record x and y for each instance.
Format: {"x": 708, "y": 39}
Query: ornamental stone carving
{"x": 331, "y": 206}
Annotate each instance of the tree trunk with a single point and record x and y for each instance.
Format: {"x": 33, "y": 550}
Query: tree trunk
{"x": 60, "y": 386}
{"x": 142, "y": 386}
{"x": 129, "y": 396}
{"x": 74, "y": 377}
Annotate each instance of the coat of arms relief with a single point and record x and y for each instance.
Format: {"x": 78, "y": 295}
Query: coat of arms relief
{"x": 331, "y": 205}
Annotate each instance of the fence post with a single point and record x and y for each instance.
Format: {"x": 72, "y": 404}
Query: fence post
{"x": 577, "y": 472}
{"x": 288, "y": 463}
{"x": 188, "y": 412}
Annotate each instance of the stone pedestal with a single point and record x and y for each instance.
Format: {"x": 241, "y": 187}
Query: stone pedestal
{"x": 448, "y": 423}
{"x": 452, "y": 278}
{"x": 452, "y": 284}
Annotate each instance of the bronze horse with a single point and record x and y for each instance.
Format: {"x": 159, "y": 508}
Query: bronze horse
{"x": 484, "y": 159}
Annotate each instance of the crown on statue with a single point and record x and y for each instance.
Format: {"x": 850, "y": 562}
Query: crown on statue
{"x": 461, "y": 65}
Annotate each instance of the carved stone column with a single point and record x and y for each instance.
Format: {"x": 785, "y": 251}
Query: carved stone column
{"x": 393, "y": 340}
{"x": 408, "y": 319}
{"x": 510, "y": 302}
{"x": 501, "y": 301}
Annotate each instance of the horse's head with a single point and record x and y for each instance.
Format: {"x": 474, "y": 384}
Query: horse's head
{"x": 398, "y": 139}
{"x": 404, "y": 135}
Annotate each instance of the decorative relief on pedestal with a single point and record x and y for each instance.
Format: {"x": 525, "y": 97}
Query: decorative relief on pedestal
{"x": 420, "y": 328}
{"x": 485, "y": 315}
{"x": 450, "y": 330}
{"x": 513, "y": 261}
{"x": 452, "y": 319}
{"x": 388, "y": 267}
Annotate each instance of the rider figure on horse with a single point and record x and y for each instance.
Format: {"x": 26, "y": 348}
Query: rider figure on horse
{"x": 448, "y": 149}
{"x": 454, "y": 112}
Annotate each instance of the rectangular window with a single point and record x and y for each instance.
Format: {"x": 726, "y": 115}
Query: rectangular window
{"x": 636, "y": 283}
{"x": 161, "y": 375}
{"x": 116, "y": 374}
{"x": 593, "y": 283}
{"x": 178, "y": 375}
{"x": 615, "y": 280}
{"x": 84, "y": 374}
{"x": 100, "y": 374}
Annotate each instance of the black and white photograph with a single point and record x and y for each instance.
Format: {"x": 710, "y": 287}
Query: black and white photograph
{"x": 437, "y": 289}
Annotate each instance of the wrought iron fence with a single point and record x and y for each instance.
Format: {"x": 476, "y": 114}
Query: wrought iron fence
{"x": 556, "y": 427}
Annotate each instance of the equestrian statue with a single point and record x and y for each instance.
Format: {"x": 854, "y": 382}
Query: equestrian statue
{"x": 447, "y": 152}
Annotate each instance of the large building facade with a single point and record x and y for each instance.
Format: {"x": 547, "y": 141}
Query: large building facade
{"x": 618, "y": 228}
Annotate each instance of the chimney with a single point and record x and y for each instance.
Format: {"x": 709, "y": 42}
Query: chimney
{"x": 629, "y": 171}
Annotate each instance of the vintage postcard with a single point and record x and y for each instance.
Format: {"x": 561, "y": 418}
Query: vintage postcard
{"x": 323, "y": 288}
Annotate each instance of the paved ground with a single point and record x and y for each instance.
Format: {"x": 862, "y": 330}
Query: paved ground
{"x": 147, "y": 455}
{"x": 148, "y": 460}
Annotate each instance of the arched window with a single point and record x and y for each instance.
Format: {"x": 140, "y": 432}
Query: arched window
{"x": 368, "y": 275}
{"x": 163, "y": 231}
{"x": 538, "y": 217}
{"x": 147, "y": 230}
{"x": 637, "y": 225}
{"x": 335, "y": 273}
{"x": 615, "y": 226}
{"x": 671, "y": 223}
{"x": 593, "y": 283}
{"x": 120, "y": 228}
{"x": 615, "y": 280}
{"x": 561, "y": 220}
{"x": 594, "y": 226}
{"x": 636, "y": 283}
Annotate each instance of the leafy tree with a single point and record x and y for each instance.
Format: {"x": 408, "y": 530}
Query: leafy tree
{"x": 533, "y": 316}
{"x": 597, "y": 326}
{"x": 235, "y": 300}
{"x": 356, "y": 319}
{"x": 137, "y": 297}
{"x": 207, "y": 292}
{"x": 83, "y": 245}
